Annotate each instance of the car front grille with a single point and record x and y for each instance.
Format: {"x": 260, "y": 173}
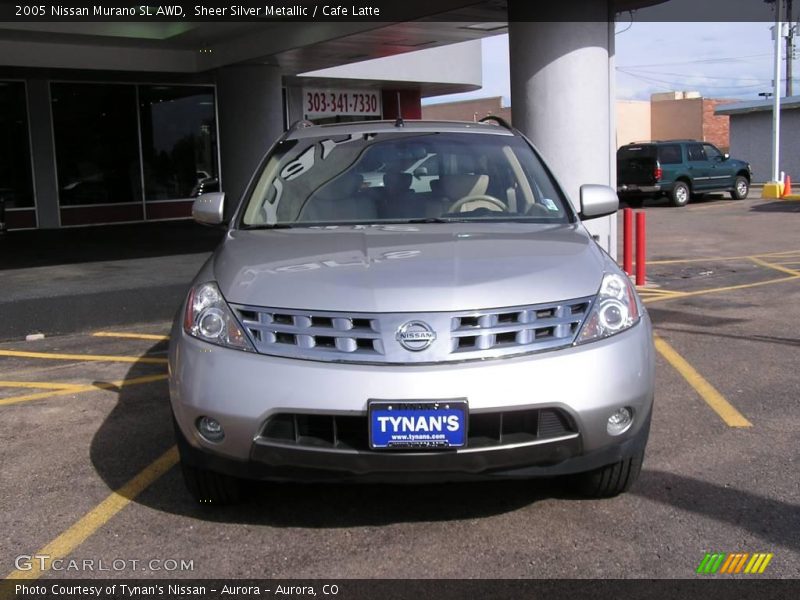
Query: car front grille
{"x": 372, "y": 337}
{"x": 350, "y": 433}
{"x": 534, "y": 327}
{"x": 311, "y": 334}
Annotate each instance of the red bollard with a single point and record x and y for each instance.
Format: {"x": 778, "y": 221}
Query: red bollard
{"x": 627, "y": 241}
{"x": 641, "y": 243}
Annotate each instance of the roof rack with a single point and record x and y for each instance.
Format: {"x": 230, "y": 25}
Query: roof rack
{"x": 499, "y": 120}
{"x": 301, "y": 124}
{"x": 660, "y": 141}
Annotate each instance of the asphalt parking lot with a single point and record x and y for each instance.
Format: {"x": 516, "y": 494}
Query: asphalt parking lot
{"x": 89, "y": 461}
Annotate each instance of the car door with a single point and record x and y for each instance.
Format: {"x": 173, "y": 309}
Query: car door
{"x": 699, "y": 167}
{"x": 720, "y": 172}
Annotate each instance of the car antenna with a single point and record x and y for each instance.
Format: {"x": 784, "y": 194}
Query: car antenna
{"x": 399, "y": 121}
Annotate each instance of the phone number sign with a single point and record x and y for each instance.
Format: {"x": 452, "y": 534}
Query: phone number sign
{"x": 330, "y": 102}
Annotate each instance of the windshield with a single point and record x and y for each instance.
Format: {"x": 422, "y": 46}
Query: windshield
{"x": 636, "y": 153}
{"x": 403, "y": 177}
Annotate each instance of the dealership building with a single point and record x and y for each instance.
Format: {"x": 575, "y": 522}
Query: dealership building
{"x": 127, "y": 122}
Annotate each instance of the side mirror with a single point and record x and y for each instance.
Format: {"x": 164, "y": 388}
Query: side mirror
{"x": 208, "y": 209}
{"x": 726, "y": 156}
{"x": 597, "y": 201}
{"x": 420, "y": 172}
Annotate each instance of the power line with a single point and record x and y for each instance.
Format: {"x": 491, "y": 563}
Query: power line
{"x": 676, "y": 84}
{"x": 687, "y": 76}
{"x": 630, "y": 24}
{"x": 726, "y": 59}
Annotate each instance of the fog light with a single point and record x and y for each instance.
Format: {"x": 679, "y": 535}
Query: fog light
{"x": 620, "y": 421}
{"x": 210, "y": 429}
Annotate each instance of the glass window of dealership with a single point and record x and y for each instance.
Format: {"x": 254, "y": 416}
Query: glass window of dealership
{"x": 123, "y": 151}
{"x": 16, "y": 171}
{"x": 102, "y": 150}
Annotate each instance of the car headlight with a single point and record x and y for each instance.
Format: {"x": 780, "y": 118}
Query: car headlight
{"x": 614, "y": 310}
{"x": 209, "y": 318}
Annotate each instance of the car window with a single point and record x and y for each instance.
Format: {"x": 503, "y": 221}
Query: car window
{"x": 695, "y": 152}
{"x": 670, "y": 154}
{"x": 711, "y": 152}
{"x": 635, "y": 152}
{"x": 380, "y": 177}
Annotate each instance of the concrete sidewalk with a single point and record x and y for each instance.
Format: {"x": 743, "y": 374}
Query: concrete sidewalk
{"x": 61, "y": 281}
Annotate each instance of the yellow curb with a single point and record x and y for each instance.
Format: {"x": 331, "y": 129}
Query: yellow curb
{"x": 772, "y": 190}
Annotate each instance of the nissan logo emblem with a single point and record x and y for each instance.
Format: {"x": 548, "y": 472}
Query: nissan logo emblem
{"x": 415, "y": 336}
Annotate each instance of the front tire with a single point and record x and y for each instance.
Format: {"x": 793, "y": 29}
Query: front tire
{"x": 610, "y": 480}
{"x": 741, "y": 187}
{"x": 680, "y": 194}
{"x": 208, "y": 487}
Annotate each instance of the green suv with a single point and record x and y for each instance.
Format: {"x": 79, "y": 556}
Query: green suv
{"x": 680, "y": 170}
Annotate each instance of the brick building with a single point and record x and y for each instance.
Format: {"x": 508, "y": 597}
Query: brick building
{"x": 669, "y": 115}
{"x": 467, "y": 110}
{"x": 751, "y": 135}
{"x": 678, "y": 115}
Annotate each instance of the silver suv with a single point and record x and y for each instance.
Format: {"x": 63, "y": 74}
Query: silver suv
{"x": 468, "y": 328}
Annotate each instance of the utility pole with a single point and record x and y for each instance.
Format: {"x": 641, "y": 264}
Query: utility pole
{"x": 789, "y": 46}
{"x": 776, "y": 107}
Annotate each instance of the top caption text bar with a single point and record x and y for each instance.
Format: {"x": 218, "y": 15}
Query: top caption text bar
{"x": 480, "y": 13}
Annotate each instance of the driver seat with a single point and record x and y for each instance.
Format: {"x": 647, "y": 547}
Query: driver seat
{"x": 455, "y": 187}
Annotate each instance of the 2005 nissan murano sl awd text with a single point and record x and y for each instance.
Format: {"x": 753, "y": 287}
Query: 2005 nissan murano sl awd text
{"x": 409, "y": 302}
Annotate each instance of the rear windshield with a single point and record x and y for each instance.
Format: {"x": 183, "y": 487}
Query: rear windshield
{"x": 627, "y": 153}
{"x": 402, "y": 177}
{"x": 667, "y": 154}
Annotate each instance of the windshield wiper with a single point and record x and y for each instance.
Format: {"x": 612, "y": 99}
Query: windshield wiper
{"x": 435, "y": 220}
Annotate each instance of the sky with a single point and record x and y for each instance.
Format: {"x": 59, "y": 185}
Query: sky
{"x": 720, "y": 60}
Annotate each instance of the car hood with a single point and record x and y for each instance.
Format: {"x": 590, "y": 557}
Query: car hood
{"x": 408, "y": 268}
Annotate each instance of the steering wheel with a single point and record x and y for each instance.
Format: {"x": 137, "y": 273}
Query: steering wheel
{"x": 456, "y": 206}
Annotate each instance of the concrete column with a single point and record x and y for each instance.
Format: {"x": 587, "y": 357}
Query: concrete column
{"x": 43, "y": 151}
{"x": 250, "y": 110}
{"x": 562, "y": 95}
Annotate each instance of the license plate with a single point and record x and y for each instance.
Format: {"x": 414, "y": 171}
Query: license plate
{"x": 422, "y": 425}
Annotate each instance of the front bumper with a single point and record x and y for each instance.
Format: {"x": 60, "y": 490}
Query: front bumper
{"x": 285, "y": 464}
{"x": 242, "y": 390}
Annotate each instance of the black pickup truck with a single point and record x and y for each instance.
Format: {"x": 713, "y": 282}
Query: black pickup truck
{"x": 680, "y": 170}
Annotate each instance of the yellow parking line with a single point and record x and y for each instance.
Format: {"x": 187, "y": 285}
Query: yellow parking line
{"x": 777, "y": 267}
{"x": 718, "y": 403}
{"x": 676, "y": 261}
{"x": 102, "y": 385}
{"x": 73, "y": 537}
{"x": 135, "y": 336}
{"x": 722, "y": 258}
{"x": 720, "y": 289}
{"x": 84, "y": 357}
{"x": 41, "y": 385}
{"x": 781, "y": 253}
{"x": 658, "y": 292}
